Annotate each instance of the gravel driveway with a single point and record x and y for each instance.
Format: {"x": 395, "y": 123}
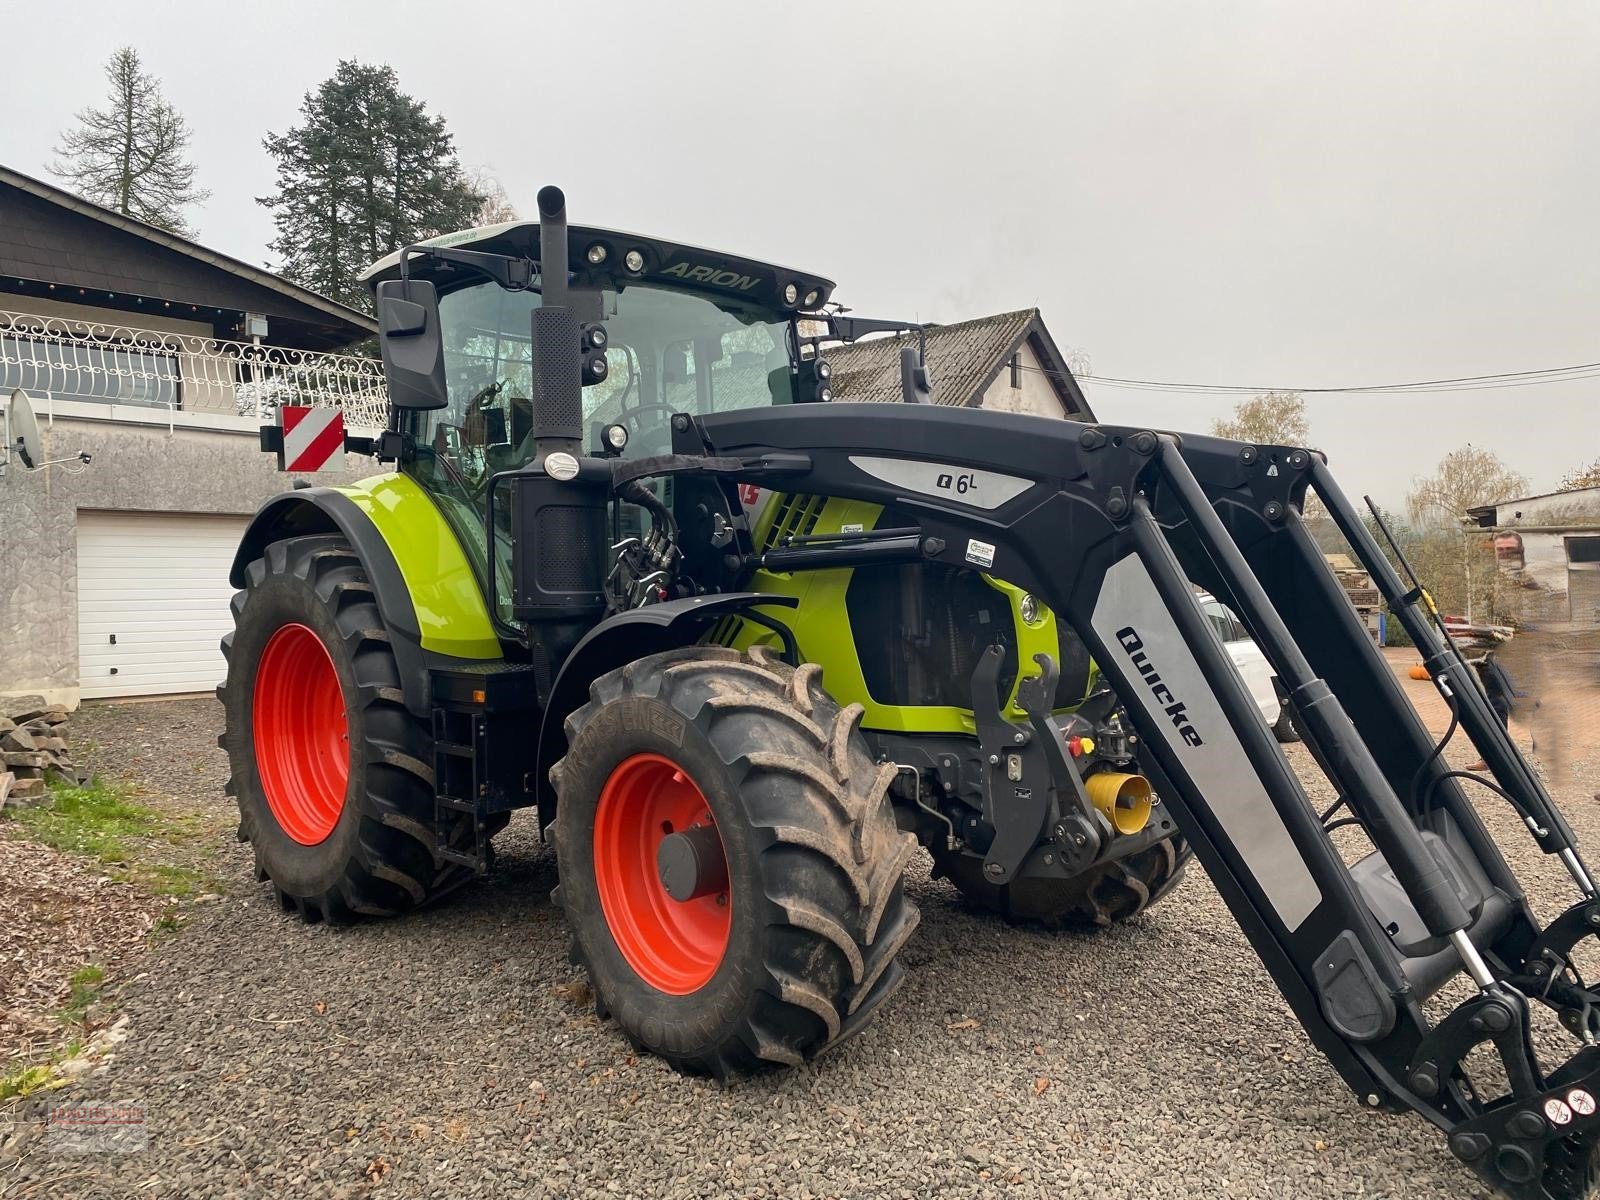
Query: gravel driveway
{"x": 455, "y": 1053}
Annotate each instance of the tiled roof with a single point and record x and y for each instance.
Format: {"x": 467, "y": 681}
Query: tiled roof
{"x": 961, "y": 359}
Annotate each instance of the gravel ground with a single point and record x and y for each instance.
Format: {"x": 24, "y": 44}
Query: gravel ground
{"x": 58, "y": 914}
{"x": 455, "y": 1052}
{"x": 60, "y": 911}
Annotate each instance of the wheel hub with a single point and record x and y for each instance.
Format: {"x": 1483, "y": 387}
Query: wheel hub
{"x": 691, "y": 863}
{"x": 301, "y": 733}
{"x": 662, "y": 874}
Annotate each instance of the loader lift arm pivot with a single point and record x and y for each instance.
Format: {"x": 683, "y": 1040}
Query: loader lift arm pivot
{"x": 1109, "y": 526}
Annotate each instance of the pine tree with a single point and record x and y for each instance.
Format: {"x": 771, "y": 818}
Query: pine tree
{"x": 366, "y": 172}
{"x": 131, "y": 155}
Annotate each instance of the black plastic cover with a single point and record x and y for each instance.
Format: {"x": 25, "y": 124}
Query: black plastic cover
{"x": 1353, "y": 999}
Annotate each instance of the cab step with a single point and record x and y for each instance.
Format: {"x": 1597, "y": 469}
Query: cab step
{"x": 483, "y": 750}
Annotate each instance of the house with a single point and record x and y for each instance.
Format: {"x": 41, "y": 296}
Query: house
{"x": 1550, "y": 544}
{"x": 1007, "y": 362}
{"x": 157, "y": 357}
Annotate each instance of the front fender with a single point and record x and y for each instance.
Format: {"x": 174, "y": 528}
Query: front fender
{"x": 424, "y": 585}
{"x": 619, "y": 640}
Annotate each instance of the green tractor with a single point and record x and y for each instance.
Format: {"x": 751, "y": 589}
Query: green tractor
{"x": 743, "y": 648}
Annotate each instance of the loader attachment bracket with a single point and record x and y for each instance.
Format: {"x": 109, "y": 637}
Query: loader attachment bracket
{"x": 1544, "y": 1145}
{"x": 1016, "y": 774}
{"x": 1029, "y": 783}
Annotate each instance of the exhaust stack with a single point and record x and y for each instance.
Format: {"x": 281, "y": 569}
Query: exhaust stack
{"x": 557, "y": 348}
{"x": 553, "y": 244}
{"x": 558, "y": 509}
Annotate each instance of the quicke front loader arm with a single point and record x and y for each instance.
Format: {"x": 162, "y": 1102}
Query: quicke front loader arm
{"x": 1109, "y": 526}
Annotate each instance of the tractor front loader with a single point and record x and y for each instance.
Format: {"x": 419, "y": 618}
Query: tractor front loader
{"x": 742, "y": 648}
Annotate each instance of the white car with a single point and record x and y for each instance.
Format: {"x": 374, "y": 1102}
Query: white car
{"x": 1253, "y": 666}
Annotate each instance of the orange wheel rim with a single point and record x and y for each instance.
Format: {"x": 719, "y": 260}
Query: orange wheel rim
{"x": 302, "y": 734}
{"x": 675, "y": 946}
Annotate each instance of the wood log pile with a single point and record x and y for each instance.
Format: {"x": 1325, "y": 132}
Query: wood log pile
{"x": 33, "y": 750}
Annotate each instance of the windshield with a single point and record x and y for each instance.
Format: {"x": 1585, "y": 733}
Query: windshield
{"x": 668, "y": 351}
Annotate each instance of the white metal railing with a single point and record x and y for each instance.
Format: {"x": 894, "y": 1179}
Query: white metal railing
{"x": 66, "y": 359}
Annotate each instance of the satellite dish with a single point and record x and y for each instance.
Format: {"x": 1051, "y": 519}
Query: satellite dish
{"x": 25, "y": 443}
{"x": 22, "y": 430}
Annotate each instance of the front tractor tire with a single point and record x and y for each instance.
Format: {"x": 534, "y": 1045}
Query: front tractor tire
{"x": 332, "y": 773}
{"x": 730, "y": 864}
{"x": 1108, "y": 893}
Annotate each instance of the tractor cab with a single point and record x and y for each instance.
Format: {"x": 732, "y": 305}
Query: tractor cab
{"x": 664, "y": 327}
{"x": 683, "y": 330}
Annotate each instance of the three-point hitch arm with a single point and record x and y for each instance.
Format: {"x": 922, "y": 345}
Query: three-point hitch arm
{"x": 1112, "y": 527}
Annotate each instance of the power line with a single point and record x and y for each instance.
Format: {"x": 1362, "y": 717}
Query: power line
{"x": 1462, "y": 383}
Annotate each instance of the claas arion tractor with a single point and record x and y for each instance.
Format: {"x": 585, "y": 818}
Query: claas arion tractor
{"x": 743, "y": 647}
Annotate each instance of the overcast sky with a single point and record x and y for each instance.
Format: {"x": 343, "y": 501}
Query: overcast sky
{"x": 1274, "y": 194}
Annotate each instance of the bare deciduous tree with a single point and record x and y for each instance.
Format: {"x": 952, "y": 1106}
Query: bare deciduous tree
{"x": 1580, "y": 477}
{"x": 1467, "y": 478}
{"x": 131, "y": 156}
{"x": 1457, "y": 566}
{"x": 496, "y": 208}
{"x": 1271, "y": 419}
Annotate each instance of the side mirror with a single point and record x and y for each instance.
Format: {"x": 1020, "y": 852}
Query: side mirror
{"x": 412, "y": 344}
{"x": 914, "y": 385}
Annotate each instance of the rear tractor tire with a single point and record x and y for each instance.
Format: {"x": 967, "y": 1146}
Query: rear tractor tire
{"x": 332, "y": 773}
{"x": 730, "y": 864}
{"x": 1104, "y": 895}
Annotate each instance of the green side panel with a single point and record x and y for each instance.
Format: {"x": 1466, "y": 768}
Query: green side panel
{"x": 821, "y": 623}
{"x": 444, "y": 589}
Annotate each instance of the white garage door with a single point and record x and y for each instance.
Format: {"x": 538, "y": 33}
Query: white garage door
{"x": 153, "y": 598}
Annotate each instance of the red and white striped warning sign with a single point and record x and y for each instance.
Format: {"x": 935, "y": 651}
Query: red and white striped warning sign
{"x": 311, "y": 436}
